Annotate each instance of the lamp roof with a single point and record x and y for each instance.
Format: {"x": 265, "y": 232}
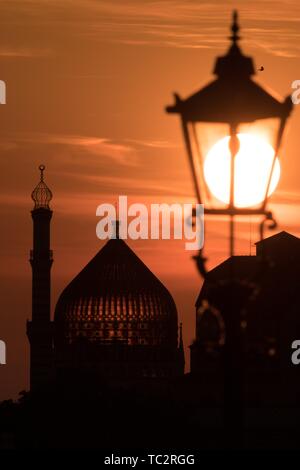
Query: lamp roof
{"x": 233, "y": 97}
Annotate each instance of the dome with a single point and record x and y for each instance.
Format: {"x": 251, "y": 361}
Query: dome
{"x": 116, "y": 299}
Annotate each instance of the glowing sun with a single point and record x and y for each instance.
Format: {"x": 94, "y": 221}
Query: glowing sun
{"x": 252, "y": 168}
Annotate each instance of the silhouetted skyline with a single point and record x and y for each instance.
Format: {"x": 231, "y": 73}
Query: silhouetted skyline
{"x": 81, "y": 98}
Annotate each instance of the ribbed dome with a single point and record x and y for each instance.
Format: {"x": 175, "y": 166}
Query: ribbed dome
{"x": 116, "y": 298}
{"x": 41, "y": 195}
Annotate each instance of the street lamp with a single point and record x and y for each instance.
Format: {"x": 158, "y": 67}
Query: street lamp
{"x": 233, "y": 130}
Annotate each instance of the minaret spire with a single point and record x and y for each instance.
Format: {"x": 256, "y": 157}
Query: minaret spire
{"x": 42, "y": 169}
{"x": 116, "y": 223}
{"x": 39, "y": 329}
{"x": 235, "y": 28}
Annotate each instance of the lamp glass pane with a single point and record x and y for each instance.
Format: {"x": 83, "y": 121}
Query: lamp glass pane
{"x": 253, "y": 163}
{"x": 262, "y": 138}
{"x": 204, "y": 136}
{"x": 267, "y": 129}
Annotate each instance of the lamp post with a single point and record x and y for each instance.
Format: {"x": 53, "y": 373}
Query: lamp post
{"x": 229, "y": 125}
{"x": 233, "y": 130}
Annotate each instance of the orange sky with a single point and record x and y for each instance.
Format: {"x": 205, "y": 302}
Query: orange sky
{"x": 87, "y": 83}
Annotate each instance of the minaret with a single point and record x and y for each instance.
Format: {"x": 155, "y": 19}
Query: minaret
{"x": 39, "y": 329}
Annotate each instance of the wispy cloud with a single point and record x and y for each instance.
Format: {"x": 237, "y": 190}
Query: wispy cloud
{"x": 190, "y": 24}
{"x": 165, "y": 23}
{"x": 158, "y": 144}
{"x": 122, "y": 153}
{"x": 11, "y": 52}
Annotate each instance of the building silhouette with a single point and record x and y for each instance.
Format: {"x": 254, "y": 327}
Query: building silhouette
{"x": 113, "y": 352}
{"x": 247, "y": 317}
{"x": 115, "y": 320}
